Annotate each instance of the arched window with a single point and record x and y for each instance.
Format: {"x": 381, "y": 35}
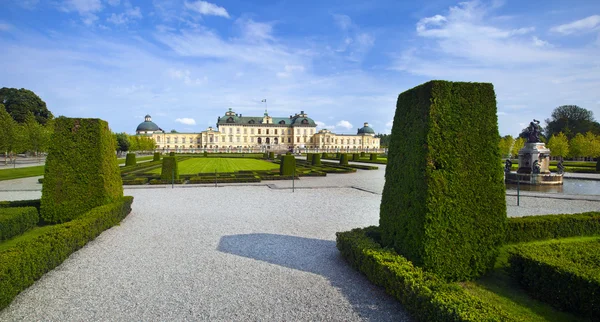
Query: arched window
{"x": 282, "y": 122}
{"x": 305, "y": 121}
{"x": 251, "y": 122}
{"x": 230, "y": 120}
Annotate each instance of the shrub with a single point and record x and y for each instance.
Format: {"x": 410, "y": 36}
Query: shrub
{"x": 160, "y": 181}
{"x": 171, "y": 154}
{"x": 565, "y": 275}
{"x": 21, "y": 203}
{"x": 423, "y": 294}
{"x": 337, "y": 156}
{"x": 316, "y": 159}
{"x": 530, "y": 228}
{"x": 156, "y": 156}
{"x": 15, "y": 221}
{"x": 135, "y": 181}
{"x": 362, "y": 155}
{"x": 169, "y": 170}
{"x": 373, "y": 157}
{"x": 205, "y": 154}
{"x": 443, "y": 204}
{"x": 81, "y": 170}
{"x": 309, "y": 157}
{"x": 130, "y": 159}
{"x": 598, "y": 165}
{"x": 355, "y": 157}
{"x": 324, "y": 155}
{"x": 344, "y": 159}
{"x": 271, "y": 155}
{"x": 287, "y": 166}
{"x": 33, "y": 256}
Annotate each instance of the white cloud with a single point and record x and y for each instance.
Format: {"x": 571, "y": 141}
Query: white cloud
{"x": 540, "y": 43}
{"x": 207, "y": 8}
{"x": 583, "y": 25}
{"x": 186, "y": 121}
{"x": 344, "y": 22}
{"x": 186, "y": 76}
{"x": 255, "y": 31}
{"x": 130, "y": 14}
{"x": 82, "y": 6}
{"x": 114, "y": 2}
{"x": 344, "y": 124}
{"x": 289, "y": 70}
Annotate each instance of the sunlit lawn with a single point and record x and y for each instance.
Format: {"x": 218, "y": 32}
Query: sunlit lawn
{"x": 209, "y": 165}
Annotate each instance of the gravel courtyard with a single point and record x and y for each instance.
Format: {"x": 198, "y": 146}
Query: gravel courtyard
{"x": 239, "y": 252}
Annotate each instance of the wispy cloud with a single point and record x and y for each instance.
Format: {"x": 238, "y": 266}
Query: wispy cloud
{"x": 130, "y": 14}
{"x": 590, "y": 23}
{"x": 186, "y": 121}
{"x": 206, "y": 8}
{"x": 81, "y": 6}
{"x": 344, "y": 124}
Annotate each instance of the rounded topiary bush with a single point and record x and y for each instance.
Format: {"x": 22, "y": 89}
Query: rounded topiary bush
{"x": 324, "y": 155}
{"x": 309, "y": 157}
{"x": 272, "y": 155}
{"x": 373, "y": 156}
{"x": 344, "y": 159}
{"x": 156, "y": 156}
{"x": 316, "y": 160}
{"x": 287, "y": 166}
{"x": 169, "y": 169}
{"x": 130, "y": 159}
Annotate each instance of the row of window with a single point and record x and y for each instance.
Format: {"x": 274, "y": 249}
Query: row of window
{"x": 175, "y": 140}
{"x": 275, "y": 131}
{"x": 341, "y": 141}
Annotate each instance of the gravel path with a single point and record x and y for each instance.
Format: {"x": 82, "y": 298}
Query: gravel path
{"x": 236, "y": 252}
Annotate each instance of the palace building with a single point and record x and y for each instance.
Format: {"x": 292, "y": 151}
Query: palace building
{"x": 237, "y": 133}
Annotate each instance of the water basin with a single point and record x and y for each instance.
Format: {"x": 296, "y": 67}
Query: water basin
{"x": 569, "y": 187}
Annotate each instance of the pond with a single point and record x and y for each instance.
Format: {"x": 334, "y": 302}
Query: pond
{"x": 569, "y": 187}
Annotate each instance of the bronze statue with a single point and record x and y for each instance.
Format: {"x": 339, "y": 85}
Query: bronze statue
{"x": 533, "y": 131}
{"x": 507, "y": 166}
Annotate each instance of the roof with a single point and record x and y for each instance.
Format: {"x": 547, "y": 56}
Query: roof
{"x": 296, "y": 120}
{"x": 366, "y": 130}
{"x": 147, "y": 126}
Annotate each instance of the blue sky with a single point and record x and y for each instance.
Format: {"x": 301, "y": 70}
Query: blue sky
{"x": 342, "y": 62}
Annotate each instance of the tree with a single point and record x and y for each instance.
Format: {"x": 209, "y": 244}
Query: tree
{"x": 18, "y": 102}
{"x": 174, "y": 131}
{"x": 35, "y": 136}
{"x": 593, "y": 142}
{"x": 11, "y": 135}
{"x": 578, "y": 146}
{"x": 122, "y": 142}
{"x": 505, "y": 144}
{"x": 559, "y": 145}
{"x": 571, "y": 120}
{"x": 518, "y": 145}
{"x": 384, "y": 139}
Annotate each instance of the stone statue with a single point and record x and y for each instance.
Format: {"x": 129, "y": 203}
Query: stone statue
{"x": 560, "y": 166}
{"x": 507, "y": 166}
{"x": 533, "y": 131}
{"x": 536, "y": 167}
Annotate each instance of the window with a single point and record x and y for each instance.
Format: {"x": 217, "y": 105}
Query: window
{"x": 198, "y": 140}
{"x": 289, "y": 131}
{"x": 267, "y": 131}
{"x": 298, "y": 131}
{"x": 304, "y": 139}
{"x": 168, "y": 140}
{"x": 238, "y": 139}
{"x": 245, "y": 131}
{"x": 174, "y": 140}
{"x": 231, "y": 139}
{"x": 230, "y": 130}
{"x": 298, "y": 139}
{"x": 354, "y": 141}
{"x": 275, "y": 131}
{"x": 259, "y": 131}
{"x": 237, "y": 130}
{"x": 158, "y": 139}
{"x": 252, "y": 139}
{"x": 282, "y": 122}
{"x": 245, "y": 139}
{"x": 251, "y": 131}
{"x": 289, "y": 140}
{"x": 182, "y": 140}
{"x": 230, "y": 120}
{"x": 304, "y": 131}
{"x": 311, "y": 139}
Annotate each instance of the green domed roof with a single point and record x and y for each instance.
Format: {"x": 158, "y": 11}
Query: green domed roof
{"x": 366, "y": 129}
{"x": 147, "y": 125}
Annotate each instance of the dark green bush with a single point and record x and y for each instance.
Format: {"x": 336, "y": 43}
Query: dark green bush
{"x": 309, "y": 157}
{"x": 15, "y": 221}
{"x": 21, "y": 203}
{"x": 160, "y": 181}
{"x": 530, "y": 228}
{"x": 355, "y": 157}
{"x": 423, "y": 294}
{"x": 205, "y": 154}
{"x": 130, "y": 159}
{"x": 344, "y": 159}
{"x": 362, "y": 155}
{"x": 287, "y": 166}
{"x": 373, "y": 157}
{"x": 41, "y": 180}
{"x": 33, "y": 256}
{"x": 171, "y": 154}
{"x": 271, "y": 155}
{"x": 337, "y": 155}
{"x": 156, "y": 156}
{"x": 323, "y": 155}
{"x": 81, "y": 170}
{"x": 316, "y": 159}
{"x": 135, "y": 181}
{"x": 443, "y": 204}
{"x": 169, "y": 170}
{"x": 565, "y": 275}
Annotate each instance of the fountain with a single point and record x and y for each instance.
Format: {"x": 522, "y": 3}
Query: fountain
{"x": 534, "y": 162}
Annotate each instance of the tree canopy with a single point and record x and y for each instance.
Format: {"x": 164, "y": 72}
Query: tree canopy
{"x": 384, "y": 139}
{"x": 571, "y": 120}
{"x": 18, "y": 102}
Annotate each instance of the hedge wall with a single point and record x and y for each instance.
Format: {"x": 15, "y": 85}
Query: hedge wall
{"x": 309, "y": 157}
{"x": 316, "y": 159}
{"x": 272, "y": 155}
{"x": 344, "y": 159}
{"x": 169, "y": 168}
{"x": 423, "y": 294}
{"x": 130, "y": 159}
{"x": 15, "y": 221}
{"x": 81, "y": 169}
{"x": 156, "y": 156}
{"x": 355, "y": 157}
{"x": 443, "y": 204}
{"x": 21, "y": 203}
{"x": 565, "y": 275}
{"x": 373, "y": 157}
{"x": 32, "y": 257}
{"x": 287, "y": 166}
{"x": 171, "y": 154}
{"x": 530, "y": 228}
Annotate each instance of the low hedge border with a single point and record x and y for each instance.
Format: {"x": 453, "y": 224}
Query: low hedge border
{"x": 30, "y": 258}
{"x": 564, "y": 275}
{"x": 15, "y": 221}
{"x": 135, "y": 181}
{"x": 197, "y": 180}
{"x": 21, "y": 203}
{"x": 531, "y": 228}
{"x": 424, "y": 295}
{"x": 159, "y": 181}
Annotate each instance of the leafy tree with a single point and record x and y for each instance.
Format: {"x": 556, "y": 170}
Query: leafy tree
{"x": 505, "y": 144}
{"x": 36, "y": 138}
{"x": 571, "y": 120}
{"x": 11, "y": 135}
{"x": 518, "y": 145}
{"x": 122, "y": 142}
{"x": 384, "y": 139}
{"x": 559, "y": 145}
{"x": 593, "y": 142}
{"x": 174, "y": 131}
{"x": 18, "y": 102}
{"x": 578, "y": 146}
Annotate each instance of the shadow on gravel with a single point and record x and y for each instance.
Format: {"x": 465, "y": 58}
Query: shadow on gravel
{"x": 319, "y": 257}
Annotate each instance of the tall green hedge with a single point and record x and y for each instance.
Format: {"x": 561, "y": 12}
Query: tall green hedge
{"x": 15, "y": 221}
{"x": 362, "y": 154}
{"x": 443, "y": 204}
{"x": 171, "y": 154}
{"x": 324, "y": 155}
{"x": 272, "y": 155}
{"x": 316, "y": 159}
{"x": 169, "y": 169}
{"x": 344, "y": 159}
{"x": 287, "y": 166}
{"x": 373, "y": 157}
{"x": 81, "y": 169}
{"x": 355, "y": 157}
{"x": 156, "y": 156}
{"x": 130, "y": 159}
{"x": 309, "y": 157}
{"x": 337, "y": 155}
{"x": 532, "y": 228}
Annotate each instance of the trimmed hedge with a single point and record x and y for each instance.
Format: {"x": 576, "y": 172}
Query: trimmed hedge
{"x": 564, "y": 275}
{"x": 271, "y": 155}
{"x": 32, "y": 257}
{"x": 316, "y": 159}
{"x": 169, "y": 170}
{"x": 130, "y": 159}
{"x": 156, "y": 156}
{"x": 135, "y": 181}
{"x": 423, "y": 294}
{"x": 443, "y": 205}
{"x": 287, "y": 165}
{"x": 309, "y": 158}
{"x": 355, "y": 157}
{"x": 337, "y": 155}
{"x": 531, "y": 228}
{"x": 81, "y": 169}
{"x": 373, "y": 157}
{"x": 21, "y": 203}
{"x": 171, "y": 154}
{"x": 15, "y": 221}
{"x": 344, "y": 159}
{"x": 160, "y": 181}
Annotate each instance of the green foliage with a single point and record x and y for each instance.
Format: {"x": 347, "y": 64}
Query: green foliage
{"x": 81, "y": 170}
{"x": 530, "y": 228}
{"x": 210, "y": 165}
{"x": 21, "y": 203}
{"x": 598, "y": 165}
{"x": 355, "y": 157}
{"x": 135, "y": 181}
{"x": 344, "y": 159}
{"x": 309, "y": 157}
{"x": 373, "y": 157}
{"x": 205, "y": 154}
{"x": 578, "y": 146}
{"x": 20, "y": 102}
{"x": 423, "y": 294}
{"x": 565, "y": 275}
{"x": 130, "y": 159}
{"x": 505, "y": 144}
{"x": 141, "y": 143}
{"x": 15, "y": 221}
{"x": 316, "y": 159}
{"x": 122, "y": 142}
{"x": 324, "y": 155}
{"x": 41, "y": 250}
{"x": 518, "y": 145}
{"x": 271, "y": 155}
{"x": 434, "y": 210}
{"x": 171, "y": 154}
{"x": 362, "y": 154}
{"x": 287, "y": 165}
{"x": 11, "y": 133}
{"x": 35, "y": 135}
{"x": 384, "y": 140}
{"x": 337, "y": 156}
{"x": 170, "y": 169}
{"x": 571, "y": 120}
{"x": 558, "y": 145}
{"x": 156, "y": 156}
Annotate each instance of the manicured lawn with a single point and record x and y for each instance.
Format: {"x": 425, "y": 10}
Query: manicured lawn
{"x": 17, "y": 173}
{"x": 209, "y": 165}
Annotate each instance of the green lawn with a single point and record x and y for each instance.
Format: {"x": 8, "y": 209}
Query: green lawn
{"x": 17, "y": 173}
{"x": 209, "y": 165}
